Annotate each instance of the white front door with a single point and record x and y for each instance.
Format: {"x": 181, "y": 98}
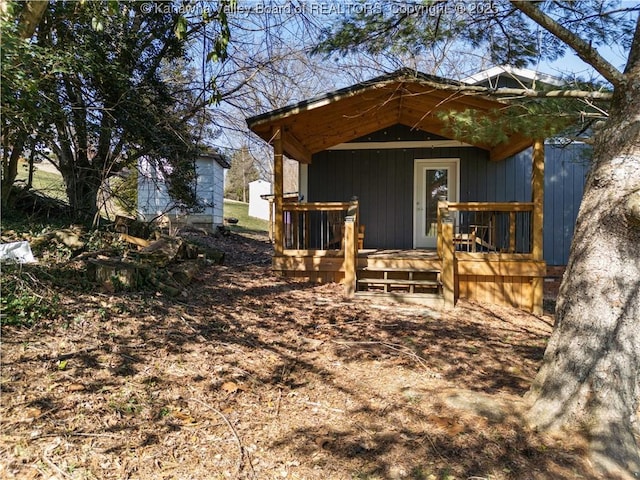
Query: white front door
{"x": 433, "y": 178}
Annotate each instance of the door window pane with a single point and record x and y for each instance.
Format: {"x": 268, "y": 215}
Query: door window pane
{"x": 436, "y": 185}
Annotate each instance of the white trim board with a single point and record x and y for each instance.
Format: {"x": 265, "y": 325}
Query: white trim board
{"x": 400, "y": 144}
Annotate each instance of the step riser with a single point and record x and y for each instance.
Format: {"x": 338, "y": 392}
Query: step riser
{"x": 400, "y": 281}
{"x": 426, "y": 300}
{"x": 395, "y": 263}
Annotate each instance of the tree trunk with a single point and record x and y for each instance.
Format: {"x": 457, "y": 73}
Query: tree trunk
{"x": 10, "y": 167}
{"x": 82, "y": 186}
{"x": 31, "y": 16}
{"x": 590, "y": 376}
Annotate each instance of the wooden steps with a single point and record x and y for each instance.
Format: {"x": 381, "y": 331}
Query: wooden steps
{"x": 421, "y": 286}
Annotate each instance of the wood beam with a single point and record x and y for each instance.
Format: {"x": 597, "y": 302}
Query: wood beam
{"x": 448, "y": 263}
{"x": 350, "y": 256}
{"x": 295, "y": 149}
{"x": 278, "y": 189}
{"x": 537, "y": 198}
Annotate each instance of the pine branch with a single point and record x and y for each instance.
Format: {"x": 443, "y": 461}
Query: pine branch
{"x": 511, "y": 92}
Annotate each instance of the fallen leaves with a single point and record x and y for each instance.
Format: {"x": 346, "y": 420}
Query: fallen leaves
{"x": 257, "y": 376}
{"x": 231, "y": 387}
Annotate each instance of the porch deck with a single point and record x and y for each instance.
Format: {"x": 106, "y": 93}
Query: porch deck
{"x": 506, "y": 275}
{"x": 414, "y": 276}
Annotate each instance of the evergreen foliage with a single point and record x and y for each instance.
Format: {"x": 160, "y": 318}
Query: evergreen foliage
{"x": 242, "y": 172}
{"x": 509, "y": 37}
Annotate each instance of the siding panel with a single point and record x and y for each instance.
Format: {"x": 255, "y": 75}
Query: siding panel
{"x": 383, "y": 182}
{"x": 565, "y": 173}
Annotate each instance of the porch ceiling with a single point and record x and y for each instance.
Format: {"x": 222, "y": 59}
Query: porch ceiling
{"x": 400, "y": 98}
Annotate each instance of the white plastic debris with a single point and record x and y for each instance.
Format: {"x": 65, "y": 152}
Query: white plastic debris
{"x": 18, "y": 252}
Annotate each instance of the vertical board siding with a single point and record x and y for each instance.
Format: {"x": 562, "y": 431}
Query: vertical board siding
{"x": 154, "y": 199}
{"x": 383, "y": 182}
{"x": 566, "y": 169}
{"x": 218, "y": 194}
{"x": 484, "y": 181}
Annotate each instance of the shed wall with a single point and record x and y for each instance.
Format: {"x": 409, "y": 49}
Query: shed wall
{"x": 154, "y": 199}
{"x": 258, "y": 206}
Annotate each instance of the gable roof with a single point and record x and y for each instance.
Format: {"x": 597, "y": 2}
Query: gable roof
{"x": 215, "y": 155}
{"x": 403, "y": 97}
{"x": 494, "y": 76}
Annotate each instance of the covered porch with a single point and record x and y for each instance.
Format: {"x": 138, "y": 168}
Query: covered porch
{"x": 484, "y": 251}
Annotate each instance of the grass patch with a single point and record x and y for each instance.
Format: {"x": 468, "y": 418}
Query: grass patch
{"x": 24, "y": 299}
{"x": 240, "y": 210}
{"x": 48, "y": 183}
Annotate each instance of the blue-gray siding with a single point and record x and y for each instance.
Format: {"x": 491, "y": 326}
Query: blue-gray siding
{"x": 565, "y": 173}
{"x": 383, "y": 182}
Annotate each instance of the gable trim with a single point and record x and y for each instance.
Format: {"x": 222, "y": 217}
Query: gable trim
{"x": 401, "y": 144}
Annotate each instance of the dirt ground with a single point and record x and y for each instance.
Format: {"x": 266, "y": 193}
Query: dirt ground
{"x": 255, "y": 376}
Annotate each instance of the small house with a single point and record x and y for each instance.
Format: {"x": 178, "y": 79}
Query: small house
{"x": 155, "y": 204}
{"x": 395, "y": 206}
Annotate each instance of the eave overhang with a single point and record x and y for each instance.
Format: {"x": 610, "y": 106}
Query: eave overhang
{"x": 404, "y": 97}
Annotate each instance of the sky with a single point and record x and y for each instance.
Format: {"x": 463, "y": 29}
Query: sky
{"x": 568, "y": 66}
{"x": 571, "y": 63}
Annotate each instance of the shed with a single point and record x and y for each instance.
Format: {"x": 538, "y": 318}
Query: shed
{"x": 154, "y": 202}
{"x": 259, "y": 205}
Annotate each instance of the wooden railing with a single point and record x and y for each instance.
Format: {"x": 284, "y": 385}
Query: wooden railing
{"x": 480, "y": 227}
{"x": 315, "y": 225}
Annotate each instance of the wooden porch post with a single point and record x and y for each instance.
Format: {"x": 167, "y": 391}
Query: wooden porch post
{"x": 448, "y": 263}
{"x": 351, "y": 249}
{"x": 278, "y": 191}
{"x": 537, "y": 197}
{"x": 443, "y": 212}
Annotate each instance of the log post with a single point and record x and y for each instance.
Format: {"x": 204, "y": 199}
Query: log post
{"x": 537, "y": 197}
{"x": 278, "y": 191}
{"x": 448, "y": 262}
{"x": 351, "y": 248}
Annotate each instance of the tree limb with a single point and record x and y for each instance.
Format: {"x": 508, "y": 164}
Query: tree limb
{"x": 509, "y": 92}
{"x": 31, "y": 16}
{"x": 584, "y": 49}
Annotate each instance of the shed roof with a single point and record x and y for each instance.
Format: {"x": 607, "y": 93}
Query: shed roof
{"x": 215, "y": 155}
{"x": 403, "y": 97}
